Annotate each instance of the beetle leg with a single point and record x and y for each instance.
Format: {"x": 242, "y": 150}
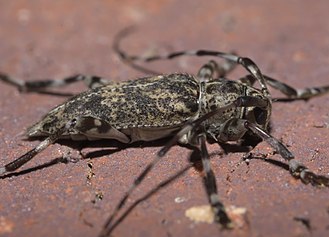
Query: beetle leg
{"x": 85, "y": 125}
{"x": 187, "y": 128}
{"x": 248, "y": 80}
{"x": 297, "y": 169}
{"x": 44, "y": 84}
{"x": 208, "y": 70}
{"x": 209, "y": 181}
{"x": 14, "y": 165}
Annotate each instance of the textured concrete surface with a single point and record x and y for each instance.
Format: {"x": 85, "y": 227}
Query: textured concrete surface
{"x": 289, "y": 40}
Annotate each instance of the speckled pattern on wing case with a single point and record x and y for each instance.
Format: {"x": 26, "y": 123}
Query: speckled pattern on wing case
{"x": 158, "y": 101}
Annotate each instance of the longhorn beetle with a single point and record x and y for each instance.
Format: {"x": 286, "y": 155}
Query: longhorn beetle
{"x": 189, "y": 109}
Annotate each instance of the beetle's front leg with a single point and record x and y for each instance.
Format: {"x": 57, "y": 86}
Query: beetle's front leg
{"x": 297, "y": 169}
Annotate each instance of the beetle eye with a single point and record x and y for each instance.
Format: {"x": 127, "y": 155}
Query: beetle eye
{"x": 260, "y": 116}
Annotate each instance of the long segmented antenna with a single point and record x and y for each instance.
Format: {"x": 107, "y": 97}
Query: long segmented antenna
{"x": 247, "y": 63}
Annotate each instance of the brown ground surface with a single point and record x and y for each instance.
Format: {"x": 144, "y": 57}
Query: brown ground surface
{"x": 289, "y": 40}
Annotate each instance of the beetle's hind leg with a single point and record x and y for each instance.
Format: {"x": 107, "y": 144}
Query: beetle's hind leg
{"x": 44, "y": 84}
{"x": 80, "y": 125}
{"x": 14, "y": 165}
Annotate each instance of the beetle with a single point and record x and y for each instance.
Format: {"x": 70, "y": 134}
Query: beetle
{"x": 190, "y": 109}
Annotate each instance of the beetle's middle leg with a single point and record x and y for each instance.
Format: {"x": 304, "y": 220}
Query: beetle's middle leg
{"x": 191, "y": 127}
{"x": 210, "y": 185}
{"x": 213, "y": 70}
{"x": 44, "y": 84}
